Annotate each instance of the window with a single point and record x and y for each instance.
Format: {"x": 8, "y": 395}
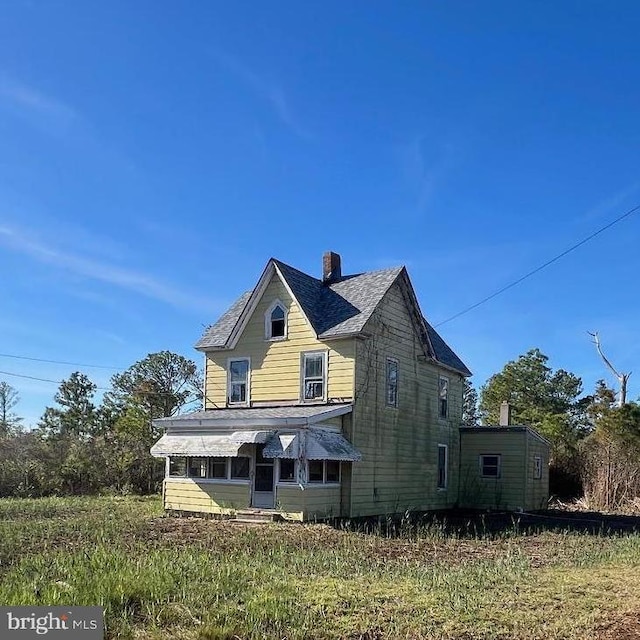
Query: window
{"x": 197, "y": 468}
{"x": 238, "y": 381}
{"x": 490, "y": 466}
{"x": 316, "y": 471}
{"x": 314, "y": 376}
{"x": 392, "y": 383}
{"x": 178, "y": 467}
{"x": 275, "y": 322}
{"x": 324, "y": 471}
{"x": 442, "y": 466}
{"x": 537, "y": 467}
{"x": 239, "y": 468}
{"x": 218, "y": 468}
{"x": 443, "y": 397}
{"x": 287, "y": 470}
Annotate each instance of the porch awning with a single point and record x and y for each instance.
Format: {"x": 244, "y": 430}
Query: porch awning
{"x": 312, "y": 444}
{"x": 251, "y": 437}
{"x": 196, "y": 445}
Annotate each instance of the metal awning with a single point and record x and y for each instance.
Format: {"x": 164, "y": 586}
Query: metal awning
{"x": 251, "y": 437}
{"x": 312, "y": 444}
{"x": 196, "y": 445}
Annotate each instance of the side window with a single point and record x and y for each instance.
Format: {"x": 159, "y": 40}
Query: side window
{"x": 442, "y": 466}
{"x": 314, "y": 376}
{"x": 537, "y": 467}
{"x": 443, "y": 397}
{"x": 238, "y": 381}
{"x": 392, "y": 383}
{"x": 178, "y": 466}
{"x": 275, "y": 322}
{"x": 490, "y": 466}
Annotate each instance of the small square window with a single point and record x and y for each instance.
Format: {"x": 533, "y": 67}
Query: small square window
{"x": 316, "y": 471}
{"x": 333, "y": 470}
{"x": 197, "y": 468}
{"x": 239, "y": 468}
{"x": 287, "y": 470}
{"x": 218, "y": 468}
{"x": 178, "y": 467}
{"x": 490, "y": 466}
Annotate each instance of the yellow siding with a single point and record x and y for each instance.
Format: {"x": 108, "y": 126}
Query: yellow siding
{"x": 506, "y": 492}
{"x": 205, "y": 497}
{"x": 399, "y": 446}
{"x": 314, "y": 503}
{"x": 537, "y": 488}
{"x": 275, "y": 365}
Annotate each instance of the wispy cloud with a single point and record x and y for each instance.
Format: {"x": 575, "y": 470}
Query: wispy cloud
{"x": 611, "y": 204}
{"x": 426, "y": 166}
{"x": 26, "y": 101}
{"x": 268, "y": 91}
{"x": 128, "y": 279}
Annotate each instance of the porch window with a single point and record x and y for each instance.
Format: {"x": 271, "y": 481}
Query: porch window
{"x": 443, "y": 397}
{"x": 239, "y": 468}
{"x": 197, "y": 468}
{"x": 490, "y": 466}
{"x": 314, "y": 372}
{"x": 392, "y": 383}
{"x": 238, "y": 381}
{"x": 442, "y": 466}
{"x": 218, "y": 468}
{"x": 178, "y": 467}
{"x": 324, "y": 471}
{"x": 275, "y": 322}
{"x": 287, "y": 471}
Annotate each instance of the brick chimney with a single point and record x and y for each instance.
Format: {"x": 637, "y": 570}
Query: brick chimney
{"x": 505, "y": 414}
{"x": 331, "y": 267}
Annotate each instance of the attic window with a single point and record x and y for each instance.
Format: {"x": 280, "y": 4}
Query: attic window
{"x": 275, "y": 322}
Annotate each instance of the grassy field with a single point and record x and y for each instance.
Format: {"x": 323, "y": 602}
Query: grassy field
{"x": 190, "y": 578}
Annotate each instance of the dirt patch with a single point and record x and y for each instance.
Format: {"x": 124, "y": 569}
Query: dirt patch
{"x": 624, "y": 626}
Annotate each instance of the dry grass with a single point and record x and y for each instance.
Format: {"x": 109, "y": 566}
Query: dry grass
{"x": 194, "y": 579}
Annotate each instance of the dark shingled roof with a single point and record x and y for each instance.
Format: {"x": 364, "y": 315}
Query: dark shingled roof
{"x": 336, "y": 310}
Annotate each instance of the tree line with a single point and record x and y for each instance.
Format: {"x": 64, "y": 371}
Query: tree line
{"x": 80, "y": 446}
{"x": 595, "y": 438}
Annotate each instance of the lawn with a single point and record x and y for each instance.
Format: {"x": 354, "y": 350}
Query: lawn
{"x": 190, "y": 578}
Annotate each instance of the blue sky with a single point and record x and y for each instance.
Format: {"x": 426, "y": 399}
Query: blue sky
{"x": 154, "y": 155}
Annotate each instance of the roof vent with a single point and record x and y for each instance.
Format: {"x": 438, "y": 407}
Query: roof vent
{"x": 331, "y": 267}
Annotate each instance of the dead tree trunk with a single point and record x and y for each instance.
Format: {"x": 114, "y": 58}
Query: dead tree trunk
{"x": 623, "y": 378}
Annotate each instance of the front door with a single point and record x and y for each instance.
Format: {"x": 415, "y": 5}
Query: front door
{"x": 263, "y": 481}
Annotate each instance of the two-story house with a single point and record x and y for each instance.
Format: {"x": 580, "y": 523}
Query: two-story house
{"x": 323, "y": 398}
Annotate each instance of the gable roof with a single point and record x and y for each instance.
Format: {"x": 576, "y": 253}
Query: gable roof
{"x": 335, "y": 310}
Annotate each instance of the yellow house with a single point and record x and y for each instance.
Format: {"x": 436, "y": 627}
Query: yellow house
{"x": 329, "y": 397}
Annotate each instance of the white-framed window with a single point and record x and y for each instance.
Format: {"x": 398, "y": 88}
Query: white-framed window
{"x": 287, "y": 470}
{"x": 238, "y": 381}
{"x": 209, "y": 468}
{"x": 490, "y": 465}
{"x": 323, "y": 471}
{"x": 443, "y": 464}
{"x": 392, "y": 383}
{"x": 275, "y": 321}
{"x": 537, "y": 467}
{"x": 314, "y": 376}
{"x": 443, "y": 397}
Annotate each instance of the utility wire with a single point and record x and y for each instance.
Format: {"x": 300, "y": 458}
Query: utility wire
{"x": 58, "y": 382}
{"x": 73, "y": 364}
{"x": 540, "y": 268}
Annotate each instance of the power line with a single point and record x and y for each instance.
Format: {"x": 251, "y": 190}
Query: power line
{"x": 58, "y": 382}
{"x": 540, "y": 268}
{"x": 73, "y": 364}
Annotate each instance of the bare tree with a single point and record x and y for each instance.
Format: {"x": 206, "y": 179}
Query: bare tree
{"x": 622, "y": 378}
